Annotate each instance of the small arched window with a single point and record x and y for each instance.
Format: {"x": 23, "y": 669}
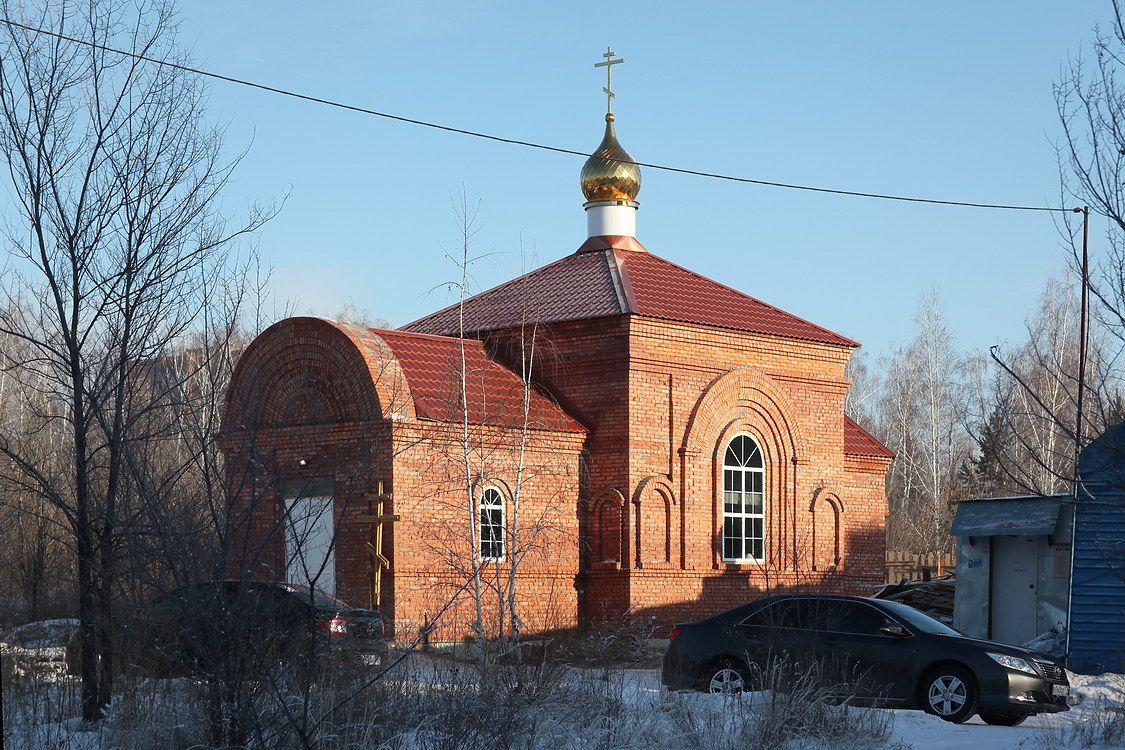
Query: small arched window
{"x": 744, "y": 502}
{"x": 491, "y": 525}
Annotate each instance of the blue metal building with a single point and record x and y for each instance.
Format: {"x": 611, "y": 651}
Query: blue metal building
{"x": 1097, "y": 611}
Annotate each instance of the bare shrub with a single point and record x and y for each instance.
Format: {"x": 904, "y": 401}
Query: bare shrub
{"x": 44, "y": 710}
{"x": 797, "y": 702}
{"x": 1103, "y": 725}
{"x": 1096, "y": 718}
{"x": 436, "y": 704}
{"x": 430, "y": 703}
{"x": 36, "y": 706}
{"x": 619, "y": 640}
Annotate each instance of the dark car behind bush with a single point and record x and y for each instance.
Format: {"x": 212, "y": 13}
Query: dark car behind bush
{"x": 879, "y": 651}
{"x": 247, "y": 628}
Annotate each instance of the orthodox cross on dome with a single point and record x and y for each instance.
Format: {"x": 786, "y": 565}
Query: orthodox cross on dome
{"x": 608, "y": 88}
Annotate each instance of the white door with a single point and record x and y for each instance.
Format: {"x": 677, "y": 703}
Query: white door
{"x": 1015, "y": 598}
{"x": 309, "y": 550}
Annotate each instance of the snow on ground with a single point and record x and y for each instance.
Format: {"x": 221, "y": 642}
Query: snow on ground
{"x": 1104, "y": 693}
{"x": 921, "y": 731}
{"x": 1096, "y": 699}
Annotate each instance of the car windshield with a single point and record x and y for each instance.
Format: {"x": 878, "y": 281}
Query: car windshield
{"x": 923, "y": 622}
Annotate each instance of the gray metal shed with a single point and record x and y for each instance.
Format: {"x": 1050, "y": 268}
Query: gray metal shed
{"x": 1013, "y": 566}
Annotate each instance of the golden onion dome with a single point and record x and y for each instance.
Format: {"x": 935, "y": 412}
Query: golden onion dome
{"x": 610, "y": 174}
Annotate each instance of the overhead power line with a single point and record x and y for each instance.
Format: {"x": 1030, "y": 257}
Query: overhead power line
{"x": 517, "y": 141}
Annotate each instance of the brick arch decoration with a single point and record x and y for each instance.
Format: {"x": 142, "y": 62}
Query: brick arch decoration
{"x": 608, "y": 535}
{"x": 827, "y": 510}
{"x": 741, "y": 400}
{"x": 484, "y": 481}
{"x": 654, "y": 521}
{"x": 310, "y": 371}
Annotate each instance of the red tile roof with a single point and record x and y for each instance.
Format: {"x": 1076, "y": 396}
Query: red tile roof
{"x": 432, "y": 366}
{"x": 617, "y": 276}
{"x": 572, "y": 288}
{"x": 860, "y": 442}
{"x": 664, "y": 290}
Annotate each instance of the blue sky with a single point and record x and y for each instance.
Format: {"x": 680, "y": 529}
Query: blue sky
{"x": 950, "y": 100}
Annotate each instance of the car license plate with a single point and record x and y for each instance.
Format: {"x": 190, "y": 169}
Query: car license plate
{"x": 374, "y": 660}
{"x": 1060, "y": 690}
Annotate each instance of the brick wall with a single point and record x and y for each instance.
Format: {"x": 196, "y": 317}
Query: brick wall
{"x": 584, "y": 364}
{"x": 692, "y": 389}
{"x": 432, "y": 550}
{"x": 305, "y": 415}
{"x": 624, "y": 519}
{"x": 662, "y": 399}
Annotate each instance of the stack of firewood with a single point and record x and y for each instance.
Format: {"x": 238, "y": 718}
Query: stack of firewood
{"x": 934, "y": 597}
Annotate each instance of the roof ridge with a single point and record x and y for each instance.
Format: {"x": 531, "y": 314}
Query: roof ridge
{"x": 851, "y": 342}
{"x": 628, "y": 294}
{"x": 417, "y": 334}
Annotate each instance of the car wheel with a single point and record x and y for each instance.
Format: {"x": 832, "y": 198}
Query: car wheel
{"x": 950, "y": 693}
{"x": 727, "y": 678}
{"x": 1002, "y": 719}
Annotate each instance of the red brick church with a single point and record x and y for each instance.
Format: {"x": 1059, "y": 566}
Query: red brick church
{"x": 676, "y": 446}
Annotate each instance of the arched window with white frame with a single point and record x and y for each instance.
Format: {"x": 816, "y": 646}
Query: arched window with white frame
{"x": 744, "y": 501}
{"x": 491, "y": 525}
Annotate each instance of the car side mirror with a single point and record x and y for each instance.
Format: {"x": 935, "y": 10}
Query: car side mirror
{"x": 896, "y": 630}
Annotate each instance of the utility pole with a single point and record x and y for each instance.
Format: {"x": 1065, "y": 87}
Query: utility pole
{"x": 1082, "y": 344}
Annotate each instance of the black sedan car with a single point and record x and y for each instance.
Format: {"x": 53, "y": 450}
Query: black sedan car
{"x": 251, "y": 626}
{"x": 885, "y": 651}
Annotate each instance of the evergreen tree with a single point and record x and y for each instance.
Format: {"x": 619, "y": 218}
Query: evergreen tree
{"x": 994, "y": 441}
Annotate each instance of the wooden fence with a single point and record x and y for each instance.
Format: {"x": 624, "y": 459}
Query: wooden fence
{"x": 918, "y": 567}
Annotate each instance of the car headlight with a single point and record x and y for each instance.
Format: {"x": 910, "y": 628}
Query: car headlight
{"x": 1013, "y": 662}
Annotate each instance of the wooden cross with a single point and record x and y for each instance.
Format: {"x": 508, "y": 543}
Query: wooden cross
{"x": 379, "y": 519}
{"x": 608, "y": 65}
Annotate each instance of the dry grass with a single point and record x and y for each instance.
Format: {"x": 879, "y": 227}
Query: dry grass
{"x": 41, "y": 711}
{"x": 440, "y": 704}
{"x": 445, "y": 705}
{"x": 616, "y": 641}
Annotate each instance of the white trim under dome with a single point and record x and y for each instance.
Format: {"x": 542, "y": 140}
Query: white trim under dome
{"x": 611, "y": 218}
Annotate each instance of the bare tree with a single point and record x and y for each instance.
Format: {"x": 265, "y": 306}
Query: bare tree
{"x": 468, "y": 227}
{"x": 503, "y": 453}
{"x": 1026, "y": 409}
{"x": 115, "y": 236}
{"x": 860, "y": 400}
{"x": 33, "y": 536}
{"x": 920, "y": 416}
{"x": 1090, "y": 98}
{"x": 352, "y": 313}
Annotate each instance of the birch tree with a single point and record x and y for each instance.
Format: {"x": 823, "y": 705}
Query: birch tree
{"x": 496, "y": 441}
{"x": 920, "y": 417}
{"x": 859, "y": 403}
